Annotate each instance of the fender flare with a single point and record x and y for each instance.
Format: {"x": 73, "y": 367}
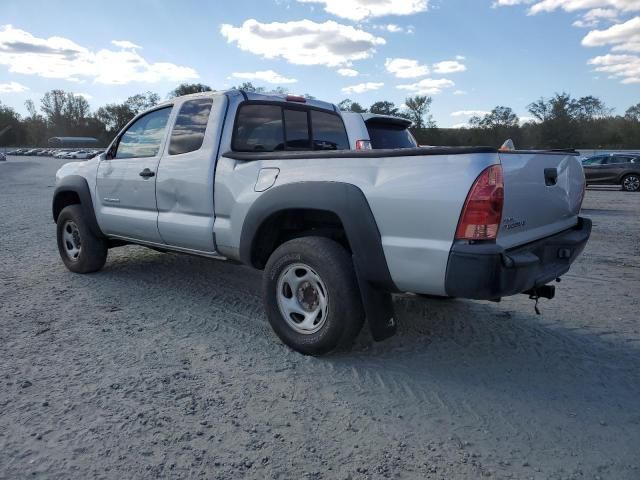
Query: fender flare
{"x": 349, "y": 203}
{"x": 79, "y": 186}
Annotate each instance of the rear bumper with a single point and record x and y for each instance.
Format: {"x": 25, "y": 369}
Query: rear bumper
{"x": 489, "y": 272}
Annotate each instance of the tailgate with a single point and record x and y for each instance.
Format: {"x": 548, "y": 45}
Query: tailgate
{"x": 543, "y": 192}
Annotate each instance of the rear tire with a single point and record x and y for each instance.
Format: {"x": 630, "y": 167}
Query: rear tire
{"x": 80, "y": 250}
{"x": 631, "y": 183}
{"x": 311, "y": 295}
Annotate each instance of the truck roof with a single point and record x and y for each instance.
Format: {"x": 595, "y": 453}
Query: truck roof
{"x": 254, "y": 96}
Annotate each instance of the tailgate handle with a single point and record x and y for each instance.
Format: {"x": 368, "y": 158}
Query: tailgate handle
{"x": 550, "y": 176}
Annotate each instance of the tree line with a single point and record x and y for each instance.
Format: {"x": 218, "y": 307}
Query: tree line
{"x": 558, "y": 122}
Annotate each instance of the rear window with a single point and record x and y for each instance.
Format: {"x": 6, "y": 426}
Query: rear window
{"x": 270, "y": 128}
{"x": 328, "y": 132}
{"x": 389, "y": 135}
{"x": 191, "y": 125}
{"x": 297, "y": 130}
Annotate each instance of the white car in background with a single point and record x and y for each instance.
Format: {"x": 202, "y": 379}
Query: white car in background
{"x": 80, "y": 154}
{"x": 371, "y": 131}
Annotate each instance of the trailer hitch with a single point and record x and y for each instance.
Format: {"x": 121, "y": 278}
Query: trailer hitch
{"x": 543, "y": 291}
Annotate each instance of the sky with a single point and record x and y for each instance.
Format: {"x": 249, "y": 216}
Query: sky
{"x": 468, "y": 55}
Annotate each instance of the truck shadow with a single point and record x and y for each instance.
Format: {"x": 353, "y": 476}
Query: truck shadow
{"x": 456, "y": 349}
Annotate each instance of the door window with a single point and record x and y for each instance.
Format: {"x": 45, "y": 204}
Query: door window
{"x": 191, "y": 125}
{"x": 144, "y": 137}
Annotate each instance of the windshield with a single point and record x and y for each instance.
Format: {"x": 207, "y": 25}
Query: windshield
{"x": 389, "y": 135}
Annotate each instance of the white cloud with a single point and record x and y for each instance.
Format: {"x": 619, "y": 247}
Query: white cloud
{"x": 625, "y": 68}
{"x": 428, "y": 86}
{"x": 624, "y": 36}
{"x": 539, "y": 6}
{"x": 126, "y": 44}
{"x": 460, "y": 92}
{"x": 59, "y": 57}
{"x": 593, "y": 17}
{"x": 358, "y": 10}
{"x": 268, "y": 76}
{"x": 362, "y": 87}
{"x": 86, "y": 96}
{"x": 347, "y": 72}
{"x": 405, "y": 68}
{"x": 621, "y": 38}
{"x": 304, "y": 42}
{"x": 13, "y": 87}
{"x": 449, "y": 66}
{"x": 470, "y": 113}
{"x": 575, "y": 5}
{"x": 460, "y": 125}
{"x": 393, "y": 28}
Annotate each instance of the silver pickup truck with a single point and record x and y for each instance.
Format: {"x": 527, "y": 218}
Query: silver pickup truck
{"x": 272, "y": 182}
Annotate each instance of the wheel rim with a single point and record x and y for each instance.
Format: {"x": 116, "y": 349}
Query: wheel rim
{"x": 71, "y": 240}
{"x": 302, "y": 298}
{"x": 631, "y": 183}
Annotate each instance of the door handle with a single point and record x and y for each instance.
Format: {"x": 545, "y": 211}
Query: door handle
{"x": 146, "y": 173}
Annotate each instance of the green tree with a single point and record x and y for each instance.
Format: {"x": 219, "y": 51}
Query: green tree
{"x": 249, "y": 87}
{"x": 418, "y": 108}
{"x": 189, "y": 88}
{"x": 347, "y": 105}
{"x": 142, "y": 101}
{"x": 499, "y": 117}
{"x": 633, "y": 113}
{"x": 384, "y": 107}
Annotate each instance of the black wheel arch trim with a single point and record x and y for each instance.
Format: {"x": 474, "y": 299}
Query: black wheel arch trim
{"x": 79, "y": 186}
{"x": 349, "y": 203}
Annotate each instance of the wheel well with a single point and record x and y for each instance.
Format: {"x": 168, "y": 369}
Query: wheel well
{"x": 64, "y": 199}
{"x": 286, "y": 225}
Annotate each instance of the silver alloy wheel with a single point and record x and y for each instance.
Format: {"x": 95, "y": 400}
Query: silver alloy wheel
{"x": 302, "y": 298}
{"x": 71, "y": 240}
{"x": 631, "y": 183}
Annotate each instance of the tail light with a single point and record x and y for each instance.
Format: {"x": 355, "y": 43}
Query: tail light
{"x": 296, "y": 98}
{"x": 363, "y": 145}
{"x": 482, "y": 212}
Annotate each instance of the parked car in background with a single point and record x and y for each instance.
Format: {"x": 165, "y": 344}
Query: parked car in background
{"x": 370, "y": 131}
{"x": 80, "y": 154}
{"x": 614, "y": 169}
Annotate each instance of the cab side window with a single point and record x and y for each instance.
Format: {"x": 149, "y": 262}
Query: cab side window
{"x": 258, "y": 129}
{"x": 270, "y": 128}
{"x": 191, "y": 125}
{"x": 144, "y": 137}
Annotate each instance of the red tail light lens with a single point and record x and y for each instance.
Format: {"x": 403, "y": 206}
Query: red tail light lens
{"x": 482, "y": 212}
{"x": 363, "y": 145}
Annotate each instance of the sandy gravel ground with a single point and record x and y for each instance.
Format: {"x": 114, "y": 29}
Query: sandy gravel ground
{"x": 164, "y": 365}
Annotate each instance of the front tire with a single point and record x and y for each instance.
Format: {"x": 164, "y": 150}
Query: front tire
{"x": 631, "y": 183}
{"x": 311, "y": 295}
{"x": 80, "y": 250}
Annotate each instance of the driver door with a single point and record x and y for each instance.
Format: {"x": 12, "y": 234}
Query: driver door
{"x": 126, "y": 180}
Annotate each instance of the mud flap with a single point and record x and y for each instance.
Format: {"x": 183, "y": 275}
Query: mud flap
{"x": 378, "y": 309}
